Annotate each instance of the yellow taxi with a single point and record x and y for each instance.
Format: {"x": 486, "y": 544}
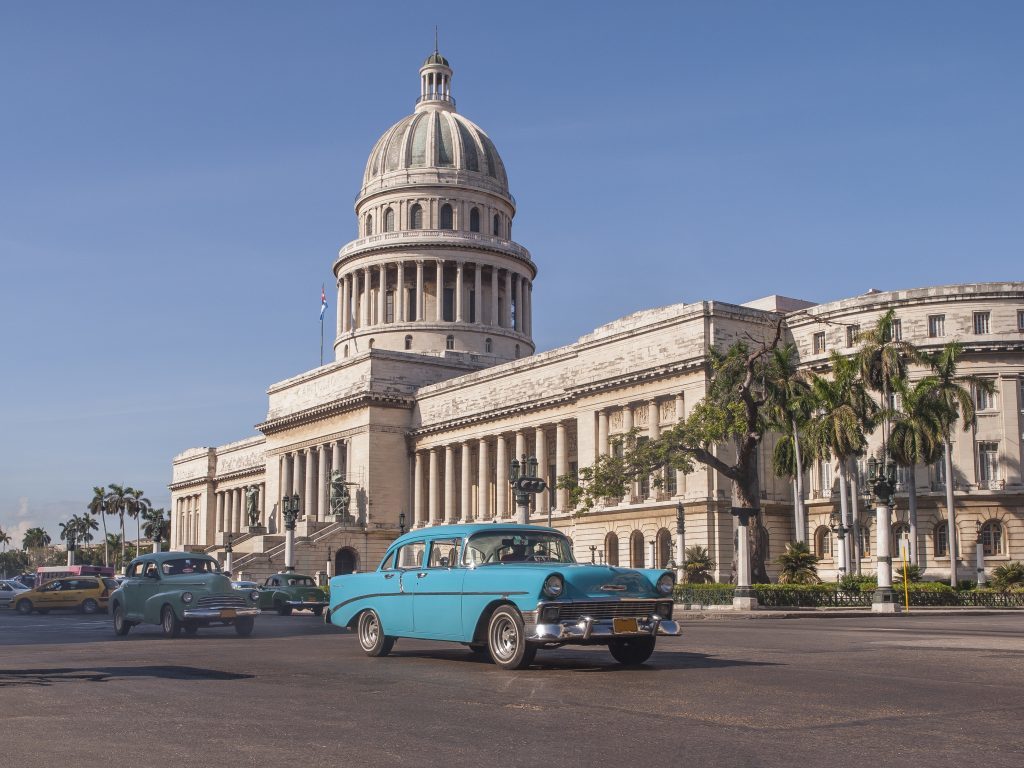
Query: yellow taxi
{"x": 87, "y": 594}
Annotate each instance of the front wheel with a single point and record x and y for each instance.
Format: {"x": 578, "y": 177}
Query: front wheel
{"x": 24, "y": 607}
{"x": 632, "y": 651}
{"x": 244, "y": 626}
{"x": 90, "y": 606}
{"x": 121, "y": 625}
{"x": 284, "y": 610}
{"x": 371, "y": 635}
{"x": 506, "y": 639}
{"x": 169, "y": 622}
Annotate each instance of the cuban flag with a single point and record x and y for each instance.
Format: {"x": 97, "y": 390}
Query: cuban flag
{"x": 323, "y": 302}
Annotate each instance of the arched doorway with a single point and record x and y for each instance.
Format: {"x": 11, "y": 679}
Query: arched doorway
{"x": 636, "y": 550}
{"x": 664, "y": 548}
{"x": 345, "y": 561}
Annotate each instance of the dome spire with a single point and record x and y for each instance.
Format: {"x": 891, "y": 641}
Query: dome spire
{"x": 435, "y": 81}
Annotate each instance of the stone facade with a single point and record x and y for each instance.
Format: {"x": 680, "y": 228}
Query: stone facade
{"x": 436, "y": 388}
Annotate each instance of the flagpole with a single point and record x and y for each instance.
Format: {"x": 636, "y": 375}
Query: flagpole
{"x": 321, "y": 339}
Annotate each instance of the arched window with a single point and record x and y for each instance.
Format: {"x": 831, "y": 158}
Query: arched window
{"x": 369, "y": 225}
{"x": 940, "y": 537}
{"x": 408, "y": 342}
{"x": 474, "y": 220}
{"x": 344, "y": 351}
{"x": 416, "y": 217}
{"x": 900, "y": 532}
{"x": 992, "y": 538}
{"x": 636, "y": 550}
{"x": 611, "y": 549}
{"x": 517, "y": 351}
{"x": 371, "y": 344}
{"x": 497, "y": 226}
{"x": 449, "y": 342}
{"x": 446, "y": 217}
{"x": 864, "y": 538}
{"x": 389, "y": 220}
{"x": 822, "y": 542}
{"x": 488, "y": 346}
{"x": 664, "y": 548}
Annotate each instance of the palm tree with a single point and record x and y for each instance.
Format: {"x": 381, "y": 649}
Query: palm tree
{"x": 5, "y": 539}
{"x": 156, "y": 527}
{"x": 953, "y": 392}
{"x": 98, "y": 508}
{"x": 844, "y": 412}
{"x": 799, "y": 565}
{"x": 916, "y": 439}
{"x": 36, "y": 539}
{"x": 116, "y": 542}
{"x": 137, "y": 507}
{"x": 118, "y": 503}
{"x": 1008, "y": 575}
{"x": 789, "y": 405}
{"x": 86, "y": 525}
{"x": 698, "y": 565}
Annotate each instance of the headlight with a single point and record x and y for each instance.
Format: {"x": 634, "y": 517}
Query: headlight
{"x": 666, "y": 583}
{"x": 553, "y": 586}
{"x": 186, "y": 597}
{"x": 254, "y": 595}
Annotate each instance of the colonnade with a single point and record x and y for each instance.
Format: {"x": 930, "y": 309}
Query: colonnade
{"x": 621, "y": 419}
{"x": 307, "y": 472}
{"x": 230, "y": 505}
{"x": 187, "y": 516}
{"x": 396, "y": 292}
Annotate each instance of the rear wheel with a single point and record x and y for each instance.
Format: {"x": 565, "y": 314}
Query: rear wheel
{"x": 121, "y": 625}
{"x": 244, "y": 626}
{"x": 632, "y": 651}
{"x": 24, "y": 607}
{"x": 371, "y": 635}
{"x": 506, "y": 639}
{"x": 318, "y": 611}
{"x": 169, "y": 622}
{"x": 89, "y": 606}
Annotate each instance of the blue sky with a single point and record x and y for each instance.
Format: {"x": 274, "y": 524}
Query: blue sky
{"x": 176, "y": 178}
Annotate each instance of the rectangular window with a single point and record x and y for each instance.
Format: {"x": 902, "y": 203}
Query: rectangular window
{"x": 671, "y": 487}
{"x": 988, "y": 462}
{"x": 936, "y": 326}
{"x": 389, "y": 307}
{"x": 819, "y": 342}
{"x": 984, "y": 401}
{"x": 1020, "y": 319}
{"x": 897, "y": 330}
{"x": 449, "y": 305}
{"x": 852, "y": 332}
{"x": 981, "y": 323}
{"x": 939, "y": 467}
{"x": 825, "y": 479}
{"x": 410, "y": 304}
{"x": 472, "y": 305}
{"x": 444, "y": 553}
{"x": 411, "y": 555}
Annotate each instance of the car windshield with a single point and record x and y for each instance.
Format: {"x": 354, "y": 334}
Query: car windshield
{"x": 299, "y": 581}
{"x": 189, "y": 565}
{"x": 517, "y": 547}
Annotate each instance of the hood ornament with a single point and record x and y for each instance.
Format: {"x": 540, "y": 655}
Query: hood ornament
{"x": 613, "y": 587}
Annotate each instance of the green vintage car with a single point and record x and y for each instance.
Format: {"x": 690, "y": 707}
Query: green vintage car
{"x": 286, "y": 591}
{"x": 181, "y": 591}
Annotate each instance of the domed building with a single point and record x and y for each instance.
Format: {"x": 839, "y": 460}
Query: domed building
{"x": 436, "y": 387}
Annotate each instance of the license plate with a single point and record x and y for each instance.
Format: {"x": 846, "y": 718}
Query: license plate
{"x": 624, "y": 625}
{"x": 230, "y": 613}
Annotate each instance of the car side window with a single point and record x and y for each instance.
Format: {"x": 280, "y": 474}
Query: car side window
{"x": 389, "y": 562}
{"x": 411, "y": 555}
{"x": 134, "y": 570}
{"x": 444, "y": 553}
{"x": 151, "y": 570}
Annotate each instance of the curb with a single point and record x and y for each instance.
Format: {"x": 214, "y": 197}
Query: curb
{"x": 725, "y": 614}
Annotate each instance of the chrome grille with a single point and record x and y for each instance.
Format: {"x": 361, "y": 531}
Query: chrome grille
{"x": 607, "y": 609}
{"x": 221, "y": 601}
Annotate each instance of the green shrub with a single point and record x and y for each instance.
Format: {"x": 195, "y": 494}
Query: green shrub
{"x": 1008, "y": 575}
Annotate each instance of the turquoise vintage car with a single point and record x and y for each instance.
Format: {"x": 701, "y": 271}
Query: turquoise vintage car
{"x": 286, "y": 591}
{"x": 504, "y": 589}
{"x": 181, "y": 590}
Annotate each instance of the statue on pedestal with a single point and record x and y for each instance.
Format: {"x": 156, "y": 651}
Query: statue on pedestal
{"x": 252, "y": 511}
{"x": 340, "y": 497}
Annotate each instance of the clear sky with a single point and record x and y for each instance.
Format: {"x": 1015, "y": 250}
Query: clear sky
{"x": 176, "y": 179}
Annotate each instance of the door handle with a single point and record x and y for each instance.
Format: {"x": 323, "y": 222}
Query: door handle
{"x": 421, "y": 574}
{"x": 389, "y": 575}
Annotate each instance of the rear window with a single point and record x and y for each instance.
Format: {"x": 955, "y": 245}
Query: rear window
{"x": 187, "y": 565}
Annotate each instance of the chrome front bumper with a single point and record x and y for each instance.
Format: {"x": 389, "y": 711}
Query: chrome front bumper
{"x": 217, "y": 614}
{"x": 589, "y": 630}
{"x": 304, "y": 604}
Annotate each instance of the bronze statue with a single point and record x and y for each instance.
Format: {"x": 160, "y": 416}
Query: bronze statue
{"x": 252, "y": 499}
{"x": 340, "y": 497}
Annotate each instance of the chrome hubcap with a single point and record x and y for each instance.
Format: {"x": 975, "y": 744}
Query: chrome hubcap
{"x": 504, "y": 638}
{"x": 371, "y": 628}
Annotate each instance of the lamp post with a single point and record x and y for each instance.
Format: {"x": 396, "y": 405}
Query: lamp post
{"x": 522, "y": 476}
{"x": 835, "y": 524}
{"x": 290, "y": 513}
{"x": 593, "y": 549}
{"x": 71, "y": 549}
{"x": 156, "y": 535}
{"x": 979, "y": 556}
{"x": 401, "y": 523}
{"x": 228, "y": 549}
{"x": 882, "y": 479}
{"x": 681, "y": 539}
{"x": 653, "y": 544}
{"x": 330, "y": 564}
{"x": 600, "y": 556}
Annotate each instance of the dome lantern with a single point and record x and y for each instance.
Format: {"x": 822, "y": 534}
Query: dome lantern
{"x": 435, "y": 82}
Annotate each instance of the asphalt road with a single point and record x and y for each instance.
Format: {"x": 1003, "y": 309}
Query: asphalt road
{"x": 911, "y": 690}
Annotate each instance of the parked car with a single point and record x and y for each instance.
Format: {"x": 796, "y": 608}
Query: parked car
{"x": 508, "y": 590}
{"x": 245, "y": 586}
{"x": 9, "y": 589}
{"x": 285, "y": 592}
{"x": 181, "y": 591}
{"x": 87, "y": 594}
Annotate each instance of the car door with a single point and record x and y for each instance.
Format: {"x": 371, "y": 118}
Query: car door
{"x": 437, "y": 591}
{"x": 267, "y": 593}
{"x": 395, "y": 588}
{"x": 6, "y": 593}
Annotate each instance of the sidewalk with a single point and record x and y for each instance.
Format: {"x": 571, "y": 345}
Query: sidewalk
{"x": 719, "y": 612}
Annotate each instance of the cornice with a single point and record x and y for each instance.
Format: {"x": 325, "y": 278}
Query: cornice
{"x": 320, "y": 412}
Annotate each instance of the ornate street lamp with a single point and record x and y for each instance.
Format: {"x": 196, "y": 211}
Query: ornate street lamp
{"x": 600, "y": 556}
{"x": 882, "y": 479}
{"x": 835, "y": 524}
{"x": 401, "y": 523}
{"x": 979, "y": 555}
{"x": 522, "y": 476}
{"x": 228, "y": 549}
{"x": 681, "y": 538}
{"x": 290, "y": 513}
{"x": 593, "y": 549}
{"x": 71, "y": 549}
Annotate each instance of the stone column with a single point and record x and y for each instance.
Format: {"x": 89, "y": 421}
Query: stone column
{"x": 419, "y": 511}
{"x": 449, "y": 483}
{"x": 289, "y": 473}
{"x": 336, "y": 463}
{"x": 680, "y": 475}
{"x": 342, "y": 301}
{"x": 229, "y": 512}
{"x": 520, "y": 445}
{"x": 501, "y": 478}
{"x": 419, "y": 290}
{"x": 220, "y": 511}
{"x": 743, "y": 595}
{"x": 506, "y": 320}
{"x": 884, "y": 601}
{"x": 483, "y": 467}
{"x": 653, "y": 433}
{"x": 518, "y": 288}
{"x": 261, "y": 504}
{"x": 400, "y": 292}
{"x": 433, "y": 488}
{"x": 459, "y": 288}
{"x": 440, "y": 291}
{"x": 323, "y": 487}
{"x": 466, "y": 497}
{"x": 602, "y": 432}
{"x": 561, "y": 464}
{"x": 529, "y": 308}
{"x": 239, "y": 510}
{"x": 627, "y": 425}
{"x": 309, "y": 492}
{"x": 541, "y": 452}
{"x": 494, "y": 296}
{"x": 364, "y": 302}
{"x": 382, "y": 297}
{"x": 478, "y": 294}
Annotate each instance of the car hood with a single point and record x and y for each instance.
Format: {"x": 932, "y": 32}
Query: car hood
{"x": 211, "y": 582}
{"x": 585, "y": 581}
